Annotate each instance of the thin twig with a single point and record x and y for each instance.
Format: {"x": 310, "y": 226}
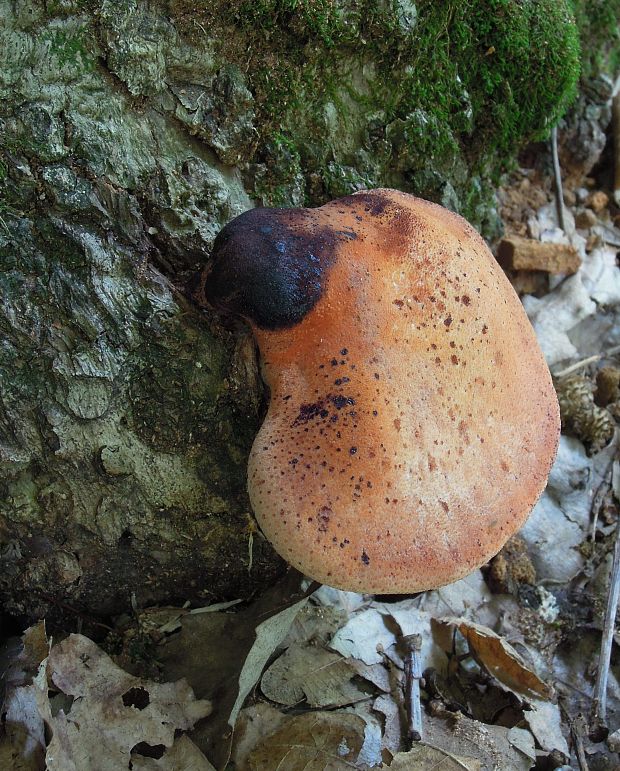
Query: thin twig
{"x": 557, "y": 178}
{"x": 584, "y": 362}
{"x": 603, "y": 487}
{"x": 597, "y": 502}
{"x": 574, "y": 688}
{"x": 599, "y": 706}
{"x": 577, "y": 730}
{"x": 413, "y": 675}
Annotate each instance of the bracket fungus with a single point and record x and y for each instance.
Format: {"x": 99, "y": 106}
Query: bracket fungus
{"x": 412, "y": 420}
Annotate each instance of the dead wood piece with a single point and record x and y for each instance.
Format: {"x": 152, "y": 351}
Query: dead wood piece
{"x": 529, "y": 282}
{"x": 516, "y": 253}
{"x": 413, "y": 675}
{"x": 578, "y": 731}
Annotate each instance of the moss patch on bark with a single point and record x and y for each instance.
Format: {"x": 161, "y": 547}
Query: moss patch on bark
{"x": 430, "y": 97}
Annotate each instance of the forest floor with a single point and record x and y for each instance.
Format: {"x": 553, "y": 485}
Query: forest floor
{"x": 506, "y": 660}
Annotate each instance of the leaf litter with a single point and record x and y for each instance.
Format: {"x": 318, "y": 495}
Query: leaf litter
{"x": 97, "y": 715}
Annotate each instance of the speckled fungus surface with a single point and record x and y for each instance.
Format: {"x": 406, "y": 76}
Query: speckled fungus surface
{"x": 412, "y": 420}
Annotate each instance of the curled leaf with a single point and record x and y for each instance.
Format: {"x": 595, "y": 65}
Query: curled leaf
{"x": 493, "y": 653}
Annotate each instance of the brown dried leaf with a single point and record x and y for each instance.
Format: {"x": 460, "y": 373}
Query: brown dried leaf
{"x": 23, "y": 745}
{"x": 317, "y": 741}
{"x": 182, "y": 756}
{"x": 36, "y": 647}
{"x": 423, "y": 757}
{"x": 492, "y": 652}
{"x": 112, "y": 711}
{"x": 253, "y": 725}
{"x": 215, "y": 650}
{"x": 315, "y": 675}
{"x": 269, "y": 635}
{"x": 496, "y": 747}
{"x": 22, "y": 661}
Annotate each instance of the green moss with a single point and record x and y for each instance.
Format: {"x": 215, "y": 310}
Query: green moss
{"x": 599, "y": 25}
{"x": 278, "y": 177}
{"x": 517, "y": 64}
{"x": 311, "y": 19}
{"x": 71, "y": 48}
{"x": 452, "y": 89}
{"x": 56, "y": 8}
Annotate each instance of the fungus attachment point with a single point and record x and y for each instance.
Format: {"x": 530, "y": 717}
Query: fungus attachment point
{"x": 412, "y": 421}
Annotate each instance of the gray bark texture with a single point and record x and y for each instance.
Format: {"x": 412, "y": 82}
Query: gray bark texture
{"x": 126, "y": 416}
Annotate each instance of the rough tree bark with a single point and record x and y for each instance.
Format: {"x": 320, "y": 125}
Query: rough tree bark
{"x": 125, "y": 416}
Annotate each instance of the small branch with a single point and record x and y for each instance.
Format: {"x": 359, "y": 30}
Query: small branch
{"x": 597, "y": 502}
{"x": 600, "y": 491}
{"x": 599, "y": 706}
{"x": 413, "y": 675}
{"x": 577, "y": 732}
{"x": 584, "y": 362}
{"x": 557, "y": 178}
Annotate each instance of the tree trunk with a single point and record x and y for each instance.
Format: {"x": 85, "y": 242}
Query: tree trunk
{"x": 126, "y": 416}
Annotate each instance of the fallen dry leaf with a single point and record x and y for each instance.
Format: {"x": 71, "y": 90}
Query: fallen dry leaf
{"x": 468, "y": 597}
{"x": 317, "y": 741}
{"x": 364, "y": 637}
{"x": 316, "y": 623}
{"x": 21, "y": 661}
{"x": 492, "y": 652}
{"x": 374, "y": 633}
{"x": 22, "y": 746}
{"x": 253, "y": 725}
{"x": 377, "y": 674}
{"x": 269, "y": 636}
{"x": 314, "y": 675}
{"x": 545, "y": 722}
{"x": 393, "y": 722}
{"x": 112, "y": 711}
{"x": 182, "y": 756}
{"x": 23, "y": 742}
{"x": 371, "y": 752}
{"x": 222, "y": 656}
{"x": 496, "y": 747}
{"x": 36, "y": 648}
{"x": 424, "y": 756}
